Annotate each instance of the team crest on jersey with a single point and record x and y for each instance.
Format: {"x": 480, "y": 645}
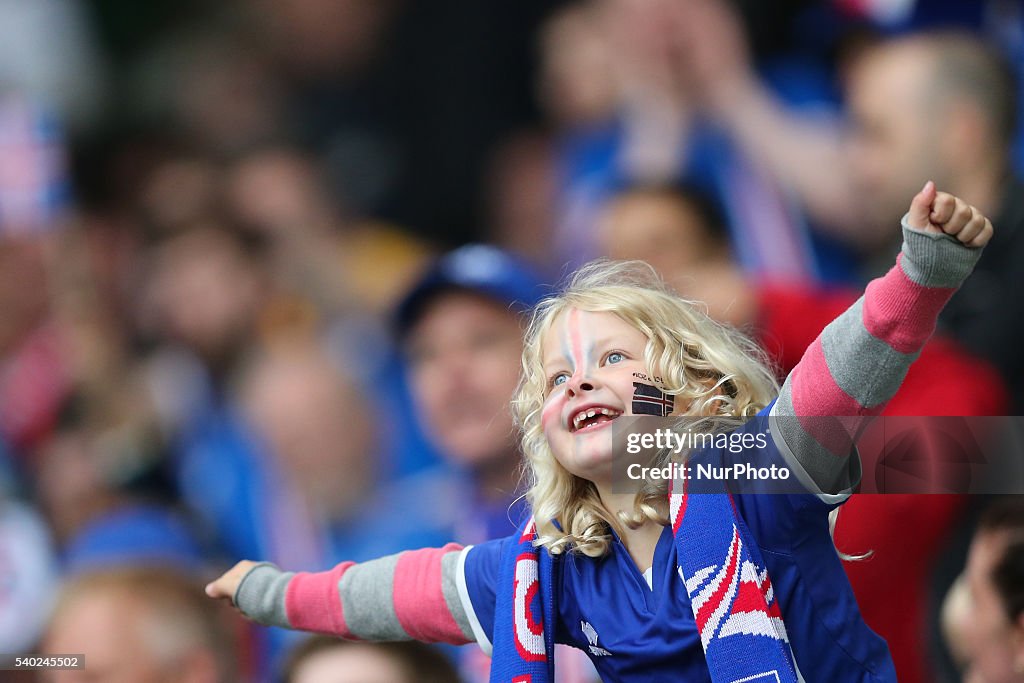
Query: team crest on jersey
{"x": 591, "y": 633}
{"x": 527, "y": 627}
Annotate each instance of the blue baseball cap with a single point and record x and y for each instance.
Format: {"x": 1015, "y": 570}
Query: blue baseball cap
{"x": 134, "y": 534}
{"x": 477, "y": 268}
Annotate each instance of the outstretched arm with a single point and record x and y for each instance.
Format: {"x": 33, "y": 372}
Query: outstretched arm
{"x": 409, "y": 596}
{"x": 858, "y": 362}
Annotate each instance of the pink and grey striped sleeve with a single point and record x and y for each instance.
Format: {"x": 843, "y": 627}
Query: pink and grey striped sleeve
{"x": 408, "y": 596}
{"x": 857, "y": 363}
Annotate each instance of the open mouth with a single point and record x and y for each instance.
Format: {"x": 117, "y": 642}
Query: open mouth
{"x": 591, "y": 418}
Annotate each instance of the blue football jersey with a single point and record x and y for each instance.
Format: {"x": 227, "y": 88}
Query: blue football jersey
{"x": 635, "y": 633}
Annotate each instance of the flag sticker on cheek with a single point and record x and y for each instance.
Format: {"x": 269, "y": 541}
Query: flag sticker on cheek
{"x": 649, "y": 400}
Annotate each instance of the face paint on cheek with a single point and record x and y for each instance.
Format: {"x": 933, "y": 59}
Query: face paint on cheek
{"x": 650, "y": 400}
{"x": 552, "y": 409}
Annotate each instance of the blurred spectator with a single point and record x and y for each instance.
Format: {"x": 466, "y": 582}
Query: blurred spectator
{"x": 182, "y": 189}
{"x": 277, "y": 437}
{"x": 288, "y": 465}
{"x": 341, "y": 265}
{"x": 29, "y": 570}
{"x": 983, "y": 613}
{"x": 576, "y": 84}
{"x": 525, "y": 187}
{"x": 320, "y": 430}
{"x": 794, "y": 147}
{"x": 101, "y": 477}
{"x": 974, "y": 124}
{"x": 520, "y": 191}
{"x": 201, "y": 301}
{"x": 678, "y": 232}
{"x": 213, "y": 84}
{"x": 48, "y": 51}
{"x": 937, "y": 106}
{"x": 316, "y": 424}
{"x": 317, "y": 38}
{"x": 34, "y": 370}
{"x": 402, "y": 125}
{"x": 136, "y": 533}
{"x": 958, "y": 84}
{"x": 206, "y": 286}
{"x": 636, "y": 119}
{"x": 321, "y": 659}
{"x": 340, "y": 275}
{"x": 277, "y": 445}
{"x": 462, "y": 333}
{"x": 141, "y": 625}
{"x": 34, "y": 189}
{"x": 73, "y": 486}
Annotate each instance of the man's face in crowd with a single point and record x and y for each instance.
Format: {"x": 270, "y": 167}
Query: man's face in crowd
{"x": 663, "y": 231}
{"x": 110, "y": 630}
{"x": 893, "y": 149}
{"x": 464, "y": 354}
{"x": 205, "y": 291}
{"x": 991, "y": 644}
{"x": 350, "y": 664}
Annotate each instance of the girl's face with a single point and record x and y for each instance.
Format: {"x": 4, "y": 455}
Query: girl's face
{"x": 591, "y": 361}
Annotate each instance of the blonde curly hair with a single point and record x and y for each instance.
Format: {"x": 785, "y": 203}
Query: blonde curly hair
{"x": 713, "y": 370}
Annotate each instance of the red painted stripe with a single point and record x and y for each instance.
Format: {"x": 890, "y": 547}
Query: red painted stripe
{"x": 419, "y": 599}
{"x": 312, "y": 602}
{"x": 553, "y": 408}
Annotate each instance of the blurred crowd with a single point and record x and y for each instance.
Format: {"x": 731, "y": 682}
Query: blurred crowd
{"x": 264, "y": 264}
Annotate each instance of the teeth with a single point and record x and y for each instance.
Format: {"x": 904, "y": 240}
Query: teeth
{"x": 592, "y": 412}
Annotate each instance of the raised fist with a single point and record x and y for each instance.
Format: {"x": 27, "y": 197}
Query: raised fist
{"x": 941, "y": 212}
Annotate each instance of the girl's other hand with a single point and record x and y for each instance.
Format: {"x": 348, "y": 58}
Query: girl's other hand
{"x": 226, "y": 586}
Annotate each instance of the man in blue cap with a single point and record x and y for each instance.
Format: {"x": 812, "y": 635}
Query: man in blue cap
{"x": 461, "y": 330}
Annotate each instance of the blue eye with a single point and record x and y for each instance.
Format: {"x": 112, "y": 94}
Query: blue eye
{"x": 560, "y": 378}
{"x": 615, "y": 357}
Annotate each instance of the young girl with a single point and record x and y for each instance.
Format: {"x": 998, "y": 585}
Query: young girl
{"x": 657, "y": 586}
